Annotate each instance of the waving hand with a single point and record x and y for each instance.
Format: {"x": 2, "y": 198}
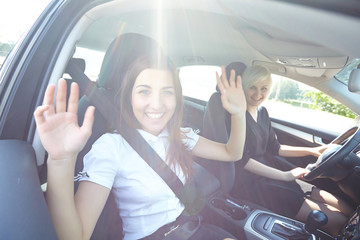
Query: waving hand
{"x": 232, "y": 94}
{"x": 58, "y": 126}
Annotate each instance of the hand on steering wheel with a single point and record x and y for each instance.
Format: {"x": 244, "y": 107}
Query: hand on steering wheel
{"x": 337, "y": 151}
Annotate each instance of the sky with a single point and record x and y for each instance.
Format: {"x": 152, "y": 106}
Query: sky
{"x": 17, "y": 16}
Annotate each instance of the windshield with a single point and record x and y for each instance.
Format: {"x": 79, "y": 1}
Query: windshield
{"x": 343, "y": 75}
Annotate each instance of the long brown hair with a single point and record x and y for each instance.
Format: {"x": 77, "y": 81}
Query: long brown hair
{"x": 178, "y": 154}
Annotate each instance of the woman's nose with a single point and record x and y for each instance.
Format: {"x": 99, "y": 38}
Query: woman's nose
{"x": 258, "y": 93}
{"x": 156, "y": 101}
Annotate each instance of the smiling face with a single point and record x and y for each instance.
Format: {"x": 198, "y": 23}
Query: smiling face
{"x": 153, "y": 99}
{"x": 257, "y": 93}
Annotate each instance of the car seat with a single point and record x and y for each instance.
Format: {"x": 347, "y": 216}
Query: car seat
{"x": 81, "y": 65}
{"x": 216, "y": 127}
{"x": 121, "y": 52}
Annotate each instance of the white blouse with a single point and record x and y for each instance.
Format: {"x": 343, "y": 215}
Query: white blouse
{"x": 145, "y": 201}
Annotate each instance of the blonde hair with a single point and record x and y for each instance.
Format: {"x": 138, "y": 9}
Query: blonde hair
{"x": 255, "y": 74}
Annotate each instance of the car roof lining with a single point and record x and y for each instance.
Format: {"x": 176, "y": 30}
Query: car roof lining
{"x": 254, "y": 16}
{"x": 89, "y": 23}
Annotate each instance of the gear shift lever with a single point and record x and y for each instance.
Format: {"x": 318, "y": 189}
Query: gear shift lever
{"x": 315, "y": 220}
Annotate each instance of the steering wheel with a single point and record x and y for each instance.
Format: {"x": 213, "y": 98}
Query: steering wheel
{"x": 337, "y": 152}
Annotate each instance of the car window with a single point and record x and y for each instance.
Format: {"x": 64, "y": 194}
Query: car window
{"x": 299, "y": 103}
{"x": 199, "y": 82}
{"x": 93, "y": 60}
{"x": 16, "y": 18}
{"x": 343, "y": 75}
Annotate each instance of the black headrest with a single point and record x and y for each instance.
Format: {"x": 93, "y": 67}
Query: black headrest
{"x": 120, "y": 54}
{"x": 79, "y": 62}
{"x": 238, "y": 67}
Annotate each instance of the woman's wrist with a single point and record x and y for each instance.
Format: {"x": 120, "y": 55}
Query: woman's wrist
{"x": 238, "y": 116}
{"x": 288, "y": 176}
{"x": 63, "y": 162}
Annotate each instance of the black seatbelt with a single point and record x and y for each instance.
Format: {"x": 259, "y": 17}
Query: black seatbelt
{"x": 105, "y": 106}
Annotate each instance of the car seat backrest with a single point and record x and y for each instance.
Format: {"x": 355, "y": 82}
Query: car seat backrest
{"x": 24, "y": 213}
{"x": 216, "y": 126}
{"x": 80, "y": 64}
{"x": 122, "y": 51}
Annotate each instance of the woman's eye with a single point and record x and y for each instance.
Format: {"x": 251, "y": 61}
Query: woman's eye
{"x": 264, "y": 89}
{"x": 168, "y": 92}
{"x": 144, "y": 92}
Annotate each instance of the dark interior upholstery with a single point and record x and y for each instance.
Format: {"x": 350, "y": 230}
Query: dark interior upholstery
{"x": 24, "y": 213}
{"x": 216, "y": 126}
{"x": 120, "y": 54}
{"x": 81, "y": 64}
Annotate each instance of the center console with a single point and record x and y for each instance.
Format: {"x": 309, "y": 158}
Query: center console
{"x": 266, "y": 225}
{"x": 249, "y": 221}
{"x": 246, "y": 220}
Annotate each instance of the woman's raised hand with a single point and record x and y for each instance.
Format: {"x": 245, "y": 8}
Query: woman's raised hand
{"x": 232, "y": 94}
{"x": 58, "y": 127}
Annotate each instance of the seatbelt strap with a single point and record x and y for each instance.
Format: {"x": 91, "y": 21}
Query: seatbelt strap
{"x": 146, "y": 152}
{"x": 105, "y": 106}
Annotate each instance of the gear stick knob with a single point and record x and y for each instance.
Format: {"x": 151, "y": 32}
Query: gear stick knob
{"x": 315, "y": 220}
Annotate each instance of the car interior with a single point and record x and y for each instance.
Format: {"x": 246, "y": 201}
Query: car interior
{"x": 207, "y": 33}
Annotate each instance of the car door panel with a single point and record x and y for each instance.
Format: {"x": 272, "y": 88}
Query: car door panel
{"x": 297, "y": 135}
{"x": 194, "y": 114}
{"x": 24, "y": 214}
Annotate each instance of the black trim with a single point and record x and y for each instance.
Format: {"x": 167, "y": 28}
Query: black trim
{"x": 345, "y": 7}
{"x": 24, "y": 213}
{"x": 316, "y": 132}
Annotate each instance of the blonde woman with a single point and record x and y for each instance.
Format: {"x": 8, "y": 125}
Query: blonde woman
{"x": 280, "y": 191}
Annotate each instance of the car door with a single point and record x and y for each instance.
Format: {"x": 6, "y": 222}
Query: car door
{"x": 304, "y": 116}
{"x": 295, "y": 134}
{"x": 298, "y": 121}
{"x": 23, "y": 77}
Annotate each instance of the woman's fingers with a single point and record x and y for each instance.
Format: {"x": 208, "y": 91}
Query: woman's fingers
{"x": 48, "y": 107}
{"x": 232, "y": 78}
{"x": 49, "y": 100}
{"x": 61, "y": 96}
{"x": 39, "y": 114}
{"x": 88, "y": 120}
{"x": 239, "y": 82}
{"x": 219, "y": 83}
{"x": 224, "y": 77}
{"x": 73, "y": 99}
{"x": 224, "y": 83}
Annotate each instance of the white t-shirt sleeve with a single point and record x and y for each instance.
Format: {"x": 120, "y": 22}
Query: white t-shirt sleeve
{"x": 190, "y": 138}
{"x": 100, "y": 163}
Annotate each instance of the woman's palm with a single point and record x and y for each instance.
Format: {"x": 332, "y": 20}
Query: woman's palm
{"x": 232, "y": 94}
{"x": 59, "y": 131}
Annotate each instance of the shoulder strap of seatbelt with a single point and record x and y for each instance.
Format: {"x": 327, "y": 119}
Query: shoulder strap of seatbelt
{"x": 105, "y": 106}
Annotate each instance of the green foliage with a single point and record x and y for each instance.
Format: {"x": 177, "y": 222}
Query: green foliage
{"x": 288, "y": 90}
{"x": 5, "y": 48}
{"x": 325, "y": 103}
